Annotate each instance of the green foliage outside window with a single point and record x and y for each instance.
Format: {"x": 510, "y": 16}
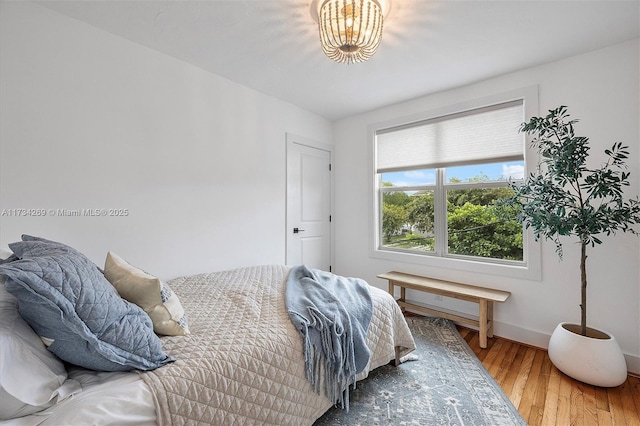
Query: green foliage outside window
{"x": 475, "y": 225}
{"x": 393, "y": 219}
{"x": 474, "y": 230}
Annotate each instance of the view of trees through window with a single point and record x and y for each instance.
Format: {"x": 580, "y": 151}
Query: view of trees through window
{"x": 474, "y": 224}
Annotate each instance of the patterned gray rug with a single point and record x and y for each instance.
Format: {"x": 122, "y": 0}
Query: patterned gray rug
{"x": 446, "y": 385}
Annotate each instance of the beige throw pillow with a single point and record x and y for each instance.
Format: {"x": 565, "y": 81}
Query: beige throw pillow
{"x": 152, "y": 295}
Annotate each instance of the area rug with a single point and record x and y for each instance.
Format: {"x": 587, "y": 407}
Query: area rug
{"x": 445, "y": 385}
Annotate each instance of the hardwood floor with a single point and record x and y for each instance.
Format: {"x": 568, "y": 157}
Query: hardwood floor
{"x": 545, "y": 396}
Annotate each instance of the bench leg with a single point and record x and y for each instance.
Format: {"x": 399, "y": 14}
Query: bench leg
{"x": 490, "y": 318}
{"x": 392, "y": 292}
{"x": 403, "y": 297}
{"x": 483, "y": 323}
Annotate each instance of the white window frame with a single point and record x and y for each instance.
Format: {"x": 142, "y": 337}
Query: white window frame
{"x": 529, "y": 268}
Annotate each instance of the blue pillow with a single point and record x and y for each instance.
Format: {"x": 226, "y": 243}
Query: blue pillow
{"x": 64, "y": 297}
{"x": 35, "y": 246}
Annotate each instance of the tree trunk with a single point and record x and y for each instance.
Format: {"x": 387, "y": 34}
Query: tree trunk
{"x": 583, "y": 278}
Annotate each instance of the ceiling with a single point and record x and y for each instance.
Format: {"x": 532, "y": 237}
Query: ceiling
{"x": 427, "y": 46}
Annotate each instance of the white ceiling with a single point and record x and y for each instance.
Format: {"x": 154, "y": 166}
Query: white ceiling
{"x": 272, "y": 45}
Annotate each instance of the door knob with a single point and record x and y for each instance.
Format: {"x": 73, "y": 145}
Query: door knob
{"x": 296, "y": 230}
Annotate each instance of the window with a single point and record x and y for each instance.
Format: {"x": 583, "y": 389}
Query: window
{"x": 465, "y": 195}
{"x": 436, "y": 182}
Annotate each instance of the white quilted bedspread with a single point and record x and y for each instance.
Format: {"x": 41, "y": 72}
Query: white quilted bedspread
{"x": 243, "y": 362}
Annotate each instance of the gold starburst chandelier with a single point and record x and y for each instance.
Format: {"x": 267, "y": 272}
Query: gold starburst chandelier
{"x": 350, "y": 30}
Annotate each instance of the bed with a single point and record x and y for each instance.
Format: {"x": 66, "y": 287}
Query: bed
{"x": 238, "y": 359}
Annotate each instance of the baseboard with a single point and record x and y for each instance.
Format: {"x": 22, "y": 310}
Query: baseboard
{"x": 529, "y": 337}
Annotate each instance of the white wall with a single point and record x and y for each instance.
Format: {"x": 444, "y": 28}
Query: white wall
{"x": 602, "y": 90}
{"x": 89, "y": 120}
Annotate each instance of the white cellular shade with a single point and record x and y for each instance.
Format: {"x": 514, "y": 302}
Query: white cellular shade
{"x": 476, "y": 136}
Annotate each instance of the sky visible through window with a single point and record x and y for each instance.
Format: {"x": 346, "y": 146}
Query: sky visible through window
{"x": 492, "y": 172}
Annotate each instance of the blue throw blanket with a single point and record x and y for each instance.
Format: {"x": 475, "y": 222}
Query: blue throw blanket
{"x": 332, "y": 314}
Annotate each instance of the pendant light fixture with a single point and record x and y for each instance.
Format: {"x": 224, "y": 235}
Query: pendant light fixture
{"x": 350, "y": 30}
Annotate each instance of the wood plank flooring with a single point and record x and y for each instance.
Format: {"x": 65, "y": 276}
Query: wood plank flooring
{"x": 545, "y": 396}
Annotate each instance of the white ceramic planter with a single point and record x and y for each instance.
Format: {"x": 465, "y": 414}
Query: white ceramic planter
{"x": 596, "y": 361}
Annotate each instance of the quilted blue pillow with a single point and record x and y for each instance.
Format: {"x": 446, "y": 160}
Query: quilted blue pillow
{"x": 64, "y": 297}
{"x": 35, "y": 246}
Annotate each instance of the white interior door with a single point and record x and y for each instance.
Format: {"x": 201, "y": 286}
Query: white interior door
{"x": 308, "y": 204}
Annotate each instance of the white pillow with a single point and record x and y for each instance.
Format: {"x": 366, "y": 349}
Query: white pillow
{"x": 31, "y": 377}
{"x": 5, "y": 253}
{"x": 148, "y": 292}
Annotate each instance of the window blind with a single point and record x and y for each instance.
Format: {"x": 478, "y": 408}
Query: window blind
{"x": 488, "y": 134}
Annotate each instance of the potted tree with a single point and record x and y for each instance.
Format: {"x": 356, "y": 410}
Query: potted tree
{"x": 565, "y": 197}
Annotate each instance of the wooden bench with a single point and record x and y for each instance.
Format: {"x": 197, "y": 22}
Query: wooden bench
{"x": 481, "y": 295}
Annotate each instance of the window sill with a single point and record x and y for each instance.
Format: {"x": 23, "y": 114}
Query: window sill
{"x": 527, "y": 270}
